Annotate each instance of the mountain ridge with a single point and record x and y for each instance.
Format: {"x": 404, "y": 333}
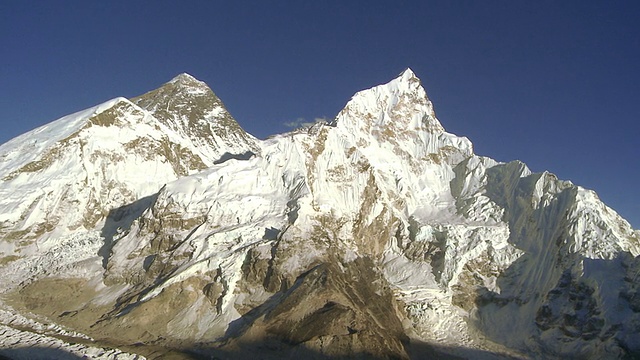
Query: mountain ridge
{"x": 270, "y": 245}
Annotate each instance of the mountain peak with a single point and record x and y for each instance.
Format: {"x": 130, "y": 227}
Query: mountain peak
{"x": 189, "y": 107}
{"x": 407, "y": 74}
{"x": 407, "y": 81}
{"x": 186, "y": 79}
{"x": 395, "y": 107}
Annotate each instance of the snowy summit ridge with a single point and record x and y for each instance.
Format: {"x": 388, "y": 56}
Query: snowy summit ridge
{"x": 187, "y": 79}
{"x": 368, "y": 236}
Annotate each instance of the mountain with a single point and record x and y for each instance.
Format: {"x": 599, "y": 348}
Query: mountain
{"x": 378, "y": 235}
{"x": 69, "y": 174}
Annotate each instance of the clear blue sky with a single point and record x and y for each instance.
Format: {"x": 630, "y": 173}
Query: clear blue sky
{"x": 555, "y": 84}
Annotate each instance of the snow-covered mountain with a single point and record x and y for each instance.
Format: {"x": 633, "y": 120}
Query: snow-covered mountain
{"x": 378, "y": 235}
{"x": 69, "y": 174}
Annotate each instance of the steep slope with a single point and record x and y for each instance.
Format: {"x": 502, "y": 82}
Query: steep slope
{"x": 366, "y": 237}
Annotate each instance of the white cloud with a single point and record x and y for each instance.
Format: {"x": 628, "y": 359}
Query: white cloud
{"x": 302, "y": 122}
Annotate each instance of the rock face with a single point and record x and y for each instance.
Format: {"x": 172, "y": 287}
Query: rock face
{"x": 365, "y": 237}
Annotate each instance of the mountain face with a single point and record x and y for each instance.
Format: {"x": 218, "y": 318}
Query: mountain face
{"x": 380, "y": 235}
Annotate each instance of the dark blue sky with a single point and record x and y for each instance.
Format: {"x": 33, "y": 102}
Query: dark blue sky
{"x": 555, "y": 84}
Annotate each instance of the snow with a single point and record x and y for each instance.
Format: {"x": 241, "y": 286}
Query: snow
{"x": 74, "y": 257}
{"x": 20, "y": 344}
{"x": 25, "y": 148}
